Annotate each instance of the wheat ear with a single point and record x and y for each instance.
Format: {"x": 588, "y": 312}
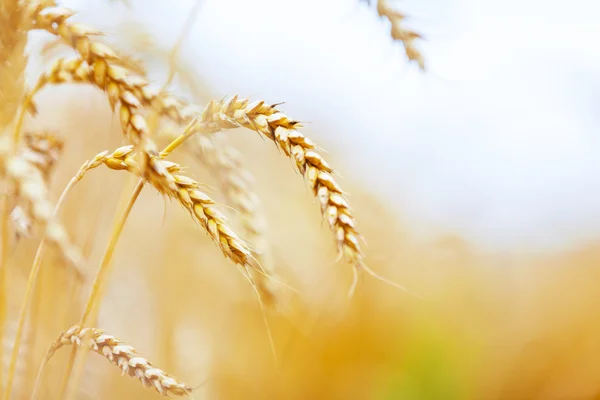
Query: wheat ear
{"x": 400, "y": 33}
{"x": 77, "y": 70}
{"x": 42, "y": 150}
{"x": 106, "y": 74}
{"x": 32, "y": 190}
{"x": 267, "y": 120}
{"x": 121, "y": 355}
{"x": 201, "y": 207}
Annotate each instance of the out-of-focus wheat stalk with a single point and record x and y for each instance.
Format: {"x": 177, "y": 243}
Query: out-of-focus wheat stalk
{"x": 42, "y": 150}
{"x": 34, "y": 273}
{"x": 400, "y": 32}
{"x": 13, "y": 38}
{"x": 119, "y": 354}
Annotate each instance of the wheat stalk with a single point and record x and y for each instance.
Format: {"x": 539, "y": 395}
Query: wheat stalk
{"x": 121, "y": 355}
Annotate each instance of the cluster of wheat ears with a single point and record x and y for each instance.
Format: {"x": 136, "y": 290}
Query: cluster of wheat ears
{"x": 27, "y": 160}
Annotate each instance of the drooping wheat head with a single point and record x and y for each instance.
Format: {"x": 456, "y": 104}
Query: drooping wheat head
{"x": 201, "y": 207}
{"x": 400, "y": 32}
{"x": 122, "y": 355}
{"x": 276, "y": 126}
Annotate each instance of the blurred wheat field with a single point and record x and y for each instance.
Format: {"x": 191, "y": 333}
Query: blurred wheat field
{"x": 477, "y": 326}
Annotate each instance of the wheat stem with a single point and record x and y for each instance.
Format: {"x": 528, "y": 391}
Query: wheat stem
{"x": 121, "y": 355}
{"x": 90, "y": 313}
{"x": 103, "y": 271}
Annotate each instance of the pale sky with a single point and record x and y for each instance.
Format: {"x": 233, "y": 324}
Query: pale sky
{"x": 499, "y": 141}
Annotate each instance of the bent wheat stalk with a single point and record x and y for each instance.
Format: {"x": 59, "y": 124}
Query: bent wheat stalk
{"x": 125, "y": 357}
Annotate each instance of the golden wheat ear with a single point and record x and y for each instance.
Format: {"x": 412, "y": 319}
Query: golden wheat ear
{"x": 271, "y": 123}
{"x": 121, "y": 355}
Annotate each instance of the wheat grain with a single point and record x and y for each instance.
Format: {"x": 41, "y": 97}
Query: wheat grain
{"x": 123, "y": 356}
